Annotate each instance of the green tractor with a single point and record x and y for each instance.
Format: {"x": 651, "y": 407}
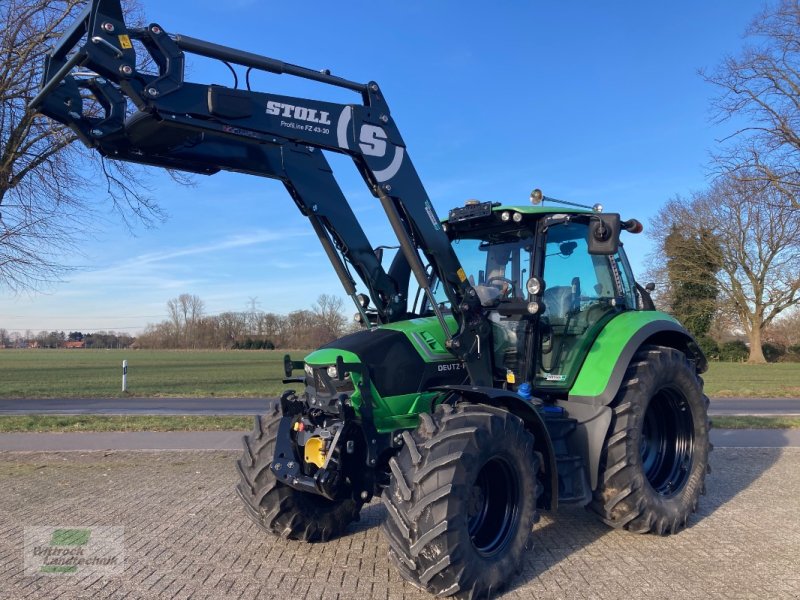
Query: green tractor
{"x": 508, "y": 361}
{"x": 597, "y": 400}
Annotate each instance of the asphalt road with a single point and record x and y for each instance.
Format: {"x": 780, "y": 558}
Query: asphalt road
{"x": 755, "y": 406}
{"x": 251, "y": 406}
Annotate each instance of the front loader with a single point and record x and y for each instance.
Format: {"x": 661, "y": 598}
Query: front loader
{"x": 508, "y": 360}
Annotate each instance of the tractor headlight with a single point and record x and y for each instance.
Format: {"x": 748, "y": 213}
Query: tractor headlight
{"x": 517, "y": 217}
{"x": 505, "y": 216}
{"x": 534, "y": 286}
{"x": 333, "y": 373}
{"x": 534, "y": 307}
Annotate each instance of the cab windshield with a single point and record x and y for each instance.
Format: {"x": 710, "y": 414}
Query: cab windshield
{"x": 497, "y": 268}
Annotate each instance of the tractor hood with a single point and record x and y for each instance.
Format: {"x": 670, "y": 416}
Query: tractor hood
{"x": 404, "y": 358}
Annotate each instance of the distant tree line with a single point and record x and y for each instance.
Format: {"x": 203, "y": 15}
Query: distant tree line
{"x": 58, "y": 339}
{"x": 188, "y": 327}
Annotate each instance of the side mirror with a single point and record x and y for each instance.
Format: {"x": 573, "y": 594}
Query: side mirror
{"x": 604, "y": 234}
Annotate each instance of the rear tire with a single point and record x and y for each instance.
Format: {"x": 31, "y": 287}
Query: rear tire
{"x": 655, "y": 458}
{"x": 278, "y": 508}
{"x": 462, "y": 500}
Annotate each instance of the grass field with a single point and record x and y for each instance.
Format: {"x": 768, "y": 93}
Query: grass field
{"x": 776, "y": 380}
{"x": 98, "y": 374}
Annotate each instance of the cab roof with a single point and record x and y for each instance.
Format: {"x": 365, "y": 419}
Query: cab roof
{"x": 473, "y": 211}
{"x": 539, "y": 209}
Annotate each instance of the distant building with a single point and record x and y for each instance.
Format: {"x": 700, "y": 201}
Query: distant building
{"x": 74, "y": 344}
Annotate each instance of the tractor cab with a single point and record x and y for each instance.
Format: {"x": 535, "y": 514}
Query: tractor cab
{"x": 549, "y": 282}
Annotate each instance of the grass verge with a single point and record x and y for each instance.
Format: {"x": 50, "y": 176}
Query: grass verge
{"x": 69, "y": 423}
{"x": 65, "y": 424}
{"x": 756, "y": 422}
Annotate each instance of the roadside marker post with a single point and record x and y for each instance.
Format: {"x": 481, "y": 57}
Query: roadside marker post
{"x": 124, "y": 375}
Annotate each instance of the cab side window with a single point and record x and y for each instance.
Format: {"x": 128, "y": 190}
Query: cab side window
{"x": 581, "y": 290}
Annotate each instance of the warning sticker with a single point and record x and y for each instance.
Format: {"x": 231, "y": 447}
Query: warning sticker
{"x": 125, "y": 42}
{"x": 462, "y": 277}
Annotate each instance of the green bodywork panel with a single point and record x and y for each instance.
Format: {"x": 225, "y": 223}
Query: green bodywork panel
{"x": 427, "y": 336}
{"x": 424, "y": 333}
{"x": 599, "y": 364}
{"x": 327, "y": 356}
{"x": 396, "y": 412}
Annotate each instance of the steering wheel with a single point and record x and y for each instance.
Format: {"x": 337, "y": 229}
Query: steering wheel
{"x": 506, "y": 288}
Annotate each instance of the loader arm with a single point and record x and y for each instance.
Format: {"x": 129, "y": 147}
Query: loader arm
{"x": 206, "y": 128}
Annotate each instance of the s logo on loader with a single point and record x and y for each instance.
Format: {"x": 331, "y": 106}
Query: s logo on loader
{"x": 373, "y": 140}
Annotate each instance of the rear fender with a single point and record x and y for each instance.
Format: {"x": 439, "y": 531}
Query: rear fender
{"x": 533, "y": 422}
{"x": 604, "y": 369}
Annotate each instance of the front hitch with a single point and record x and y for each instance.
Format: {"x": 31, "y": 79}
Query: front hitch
{"x": 288, "y": 467}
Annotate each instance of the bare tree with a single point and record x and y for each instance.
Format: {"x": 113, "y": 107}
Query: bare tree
{"x": 756, "y": 234}
{"x": 785, "y": 331}
{"x": 273, "y": 328}
{"x": 303, "y": 331}
{"x": 329, "y": 317}
{"x": 761, "y": 89}
{"x": 47, "y": 181}
{"x": 185, "y": 314}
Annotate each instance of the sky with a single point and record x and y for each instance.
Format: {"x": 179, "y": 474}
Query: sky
{"x": 589, "y": 101}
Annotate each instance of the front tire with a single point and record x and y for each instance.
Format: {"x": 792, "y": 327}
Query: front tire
{"x": 462, "y": 500}
{"x": 278, "y": 508}
{"x": 655, "y": 458}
